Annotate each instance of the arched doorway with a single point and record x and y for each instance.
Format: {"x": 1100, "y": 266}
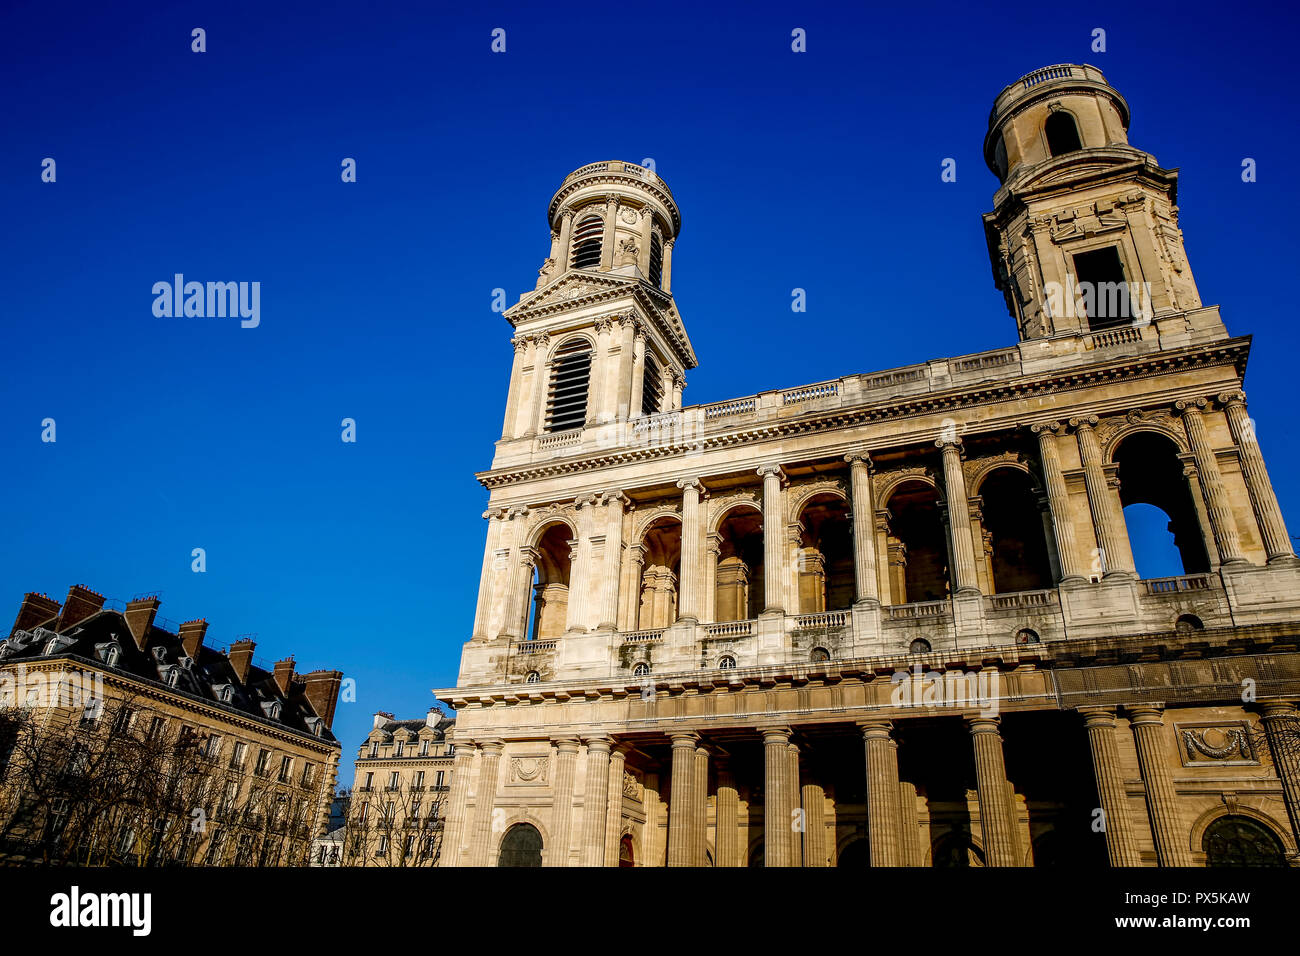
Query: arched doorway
{"x": 521, "y": 846}
{"x": 855, "y": 856}
{"x": 1151, "y": 477}
{"x": 1015, "y": 540}
{"x": 626, "y": 856}
{"x": 1241, "y": 841}
{"x": 955, "y": 849}
{"x": 918, "y": 545}
{"x": 826, "y": 580}
{"x": 551, "y": 584}
{"x": 662, "y": 560}
{"x": 739, "y": 589}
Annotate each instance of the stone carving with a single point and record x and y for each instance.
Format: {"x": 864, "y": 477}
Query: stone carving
{"x": 1216, "y": 743}
{"x": 529, "y": 769}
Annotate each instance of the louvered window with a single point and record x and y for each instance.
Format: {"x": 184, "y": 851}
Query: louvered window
{"x": 656, "y": 261}
{"x": 652, "y": 386}
{"x": 586, "y": 243}
{"x": 570, "y": 376}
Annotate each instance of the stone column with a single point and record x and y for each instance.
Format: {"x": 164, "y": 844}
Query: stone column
{"x": 566, "y": 771}
{"x": 1147, "y": 721}
{"x": 726, "y": 842}
{"x": 996, "y": 821}
{"x": 688, "y": 607}
{"x": 1277, "y": 543}
{"x": 595, "y": 801}
{"x": 614, "y": 501}
{"x": 650, "y": 852}
{"x": 522, "y": 347}
{"x": 614, "y": 810}
{"x": 1222, "y": 522}
{"x": 638, "y": 371}
{"x": 521, "y": 586}
{"x": 566, "y": 233}
{"x": 680, "y": 798}
{"x": 864, "y": 527}
{"x": 622, "y": 388}
{"x": 679, "y": 385}
{"x": 496, "y": 518}
{"x": 484, "y": 802}
{"x": 607, "y": 239}
{"x": 712, "y": 552}
{"x": 580, "y": 566}
{"x": 796, "y": 804}
{"x": 813, "y": 799}
{"x": 1121, "y": 842}
{"x": 777, "y": 798}
{"x": 668, "y": 265}
{"x": 954, "y": 486}
{"x": 882, "y": 792}
{"x": 632, "y": 600}
{"x": 773, "y": 542}
{"x": 601, "y": 400}
{"x": 1107, "y": 517}
{"x": 909, "y": 843}
{"x": 1058, "y": 502}
{"x": 455, "y": 827}
{"x": 647, "y": 230}
{"x": 700, "y": 808}
{"x": 541, "y": 382}
{"x": 1282, "y": 728}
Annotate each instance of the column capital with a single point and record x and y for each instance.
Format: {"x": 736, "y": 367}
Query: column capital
{"x": 565, "y": 745}
{"x": 765, "y": 471}
{"x": 1145, "y": 713}
{"x": 684, "y": 738}
{"x": 1232, "y": 397}
{"x": 1046, "y": 428}
{"x": 876, "y": 728}
{"x": 491, "y": 747}
{"x": 499, "y": 513}
{"x": 599, "y": 743}
{"x": 860, "y": 456}
{"x": 1186, "y": 405}
{"x": 1084, "y": 422}
{"x": 983, "y": 725}
{"x": 583, "y": 501}
{"x": 776, "y": 735}
{"x": 950, "y": 441}
{"x": 1277, "y": 708}
{"x": 687, "y": 484}
{"x": 529, "y": 556}
{"x": 614, "y": 497}
{"x": 1098, "y": 716}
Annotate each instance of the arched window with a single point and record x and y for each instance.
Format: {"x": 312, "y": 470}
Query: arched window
{"x": 918, "y": 545}
{"x": 820, "y": 654}
{"x": 521, "y": 846}
{"x": 1062, "y": 134}
{"x": 570, "y": 377}
{"x": 587, "y": 237}
{"x": 1159, "y": 511}
{"x": 656, "y": 260}
{"x": 652, "y": 385}
{"x": 1016, "y": 556}
{"x": 1026, "y": 636}
{"x": 657, "y": 590}
{"x": 1241, "y": 841}
{"x": 533, "y": 678}
{"x": 642, "y": 669}
{"x": 727, "y": 663}
{"x": 551, "y": 583}
{"x": 919, "y": 646}
{"x": 1188, "y": 624}
{"x": 825, "y": 567}
{"x": 739, "y": 594}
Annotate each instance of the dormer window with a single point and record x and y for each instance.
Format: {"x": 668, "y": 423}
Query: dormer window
{"x": 271, "y": 708}
{"x": 570, "y": 377}
{"x": 399, "y": 748}
{"x": 1062, "y": 134}
{"x": 110, "y": 654}
{"x": 173, "y": 677}
{"x": 588, "y": 236}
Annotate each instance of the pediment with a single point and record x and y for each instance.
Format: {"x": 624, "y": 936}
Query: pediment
{"x": 573, "y": 288}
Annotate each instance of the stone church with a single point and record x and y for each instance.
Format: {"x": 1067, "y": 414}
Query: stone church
{"x": 892, "y": 619}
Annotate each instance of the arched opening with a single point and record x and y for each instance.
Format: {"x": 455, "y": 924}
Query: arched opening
{"x": 521, "y": 846}
{"x": 551, "y": 584}
{"x": 955, "y": 849}
{"x": 739, "y": 591}
{"x": 566, "y": 405}
{"x": 625, "y": 852}
{"x": 1151, "y": 474}
{"x": 1015, "y": 539}
{"x": 819, "y": 655}
{"x": 1062, "y": 134}
{"x": 662, "y": 561}
{"x": 855, "y": 856}
{"x": 919, "y": 646}
{"x": 1188, "y": 624}
{"x": 918, "y": 546}
{"x": 587, "y": 237}
{"x": 1241, "y": 841}
{"x": 825, "y": 555}
{"x": 656, "y": 260}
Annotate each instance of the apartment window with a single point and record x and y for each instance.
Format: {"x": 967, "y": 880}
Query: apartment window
{"x": 451, "y": 750}
{"x": 437, "y": 780}
{"x": 212, "y": 747}
{"x": 587, "y": 238}
{"x": 415, "y": 810}
{"x": 1101, "y": 285}
{"x": 570, "y": 377}
{"x": 239, "y": 754}
{"x": 424, "y": 748}
{"x": 156, "y": 728}
{"x": 286, "y": 769}
{"x": 374, "y": 750}
{"x": 263, "y": 763}
{"x": 394, "y": 780}
{"x": 215, "y": 848}
{"x": 308, "y": 774}
{"x": 419, "y": 780}
{"x": 92, "y": 712}
{"x": 370, "y": 780}
{"x": 123, "y": 720}
{"x": 365, "y": 812}
{"x": 408, "y": 845}
{"x": 400, "y": 747}
{"x": 383, "y": 845}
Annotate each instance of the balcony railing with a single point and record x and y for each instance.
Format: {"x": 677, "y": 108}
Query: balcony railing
{"x": 643, "y": 637}
{"x": 919, "y": 609}
{"x": 1184, "y": 582}
{"x": 730, "y": 629}
{"x": 822, "y": 619}
{"x": 1022, "y": 599}
{"x": 535, "y": 647}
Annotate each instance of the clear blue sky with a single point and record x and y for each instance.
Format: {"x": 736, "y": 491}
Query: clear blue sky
{"x": 817, "y": 170}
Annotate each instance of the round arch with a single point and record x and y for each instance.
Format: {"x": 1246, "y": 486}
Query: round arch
{"x": 808, "y": 494}
{"x": 527, "y": 848}
{"x": 985, "y": 470}
{"x": 648, "y": 520}
{"x": 545, "y": 525}
{"x": 1203, "y": 824}
{"x": 889, "y": 482}
{"x": 715, "y": 526}
{"x": 1164, "y": 429}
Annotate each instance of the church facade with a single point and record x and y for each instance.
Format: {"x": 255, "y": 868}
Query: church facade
{"x": 892, "y": 619}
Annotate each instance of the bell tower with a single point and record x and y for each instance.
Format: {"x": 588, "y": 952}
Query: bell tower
{"x": 599, "y": 340}
{"x": 1084, "y": 235}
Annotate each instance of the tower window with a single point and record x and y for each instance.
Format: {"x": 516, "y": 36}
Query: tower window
{"x": 1062, "y": 134}
{"x": 1102, "y": 289}
{"x": 586, "y": 243}
{"x": 570, "y": 377}
{"x": 652, "y": 386}
{"x": 656, "y": 260}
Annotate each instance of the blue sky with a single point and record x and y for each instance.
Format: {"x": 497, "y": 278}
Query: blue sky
{"x": 817, "y": 170}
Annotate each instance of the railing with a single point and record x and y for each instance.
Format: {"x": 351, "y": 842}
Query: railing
{"x": 1104, "y": 340}
{"x": 810, "y": 392}
{"x": 647, "y": 422}
{"x": 560, "y": 439}
{"x": 822, "y": 619}
{"x": 730, "y": 629}
{"x": 990, "y": 360}
{"x": 1184, "y": 582}
{"x": 723, "y": 409}
{"x": 536, "y": 647}
{"x": 1047, "y": 73}
{"x": 919, "y": 609}
{"x": 898, "y": 376}
{"x": 644, "y": 637}
{"x": 1022, "y": 599}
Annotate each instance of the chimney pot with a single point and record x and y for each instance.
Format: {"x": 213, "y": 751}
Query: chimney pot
{"x": 283, "y": 674}
{"x": 241, "y": 658}
{"x": 139, "y": 616}
{"x": 81, "y": 604}
{"x": 36, "y": 609}
{"x": 191, "y": 634}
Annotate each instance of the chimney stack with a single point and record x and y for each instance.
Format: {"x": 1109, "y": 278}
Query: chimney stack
{"x": 191, "y": 634}
{"x": 81, "y": 604}
{"x": 322, "y": 691}
{"x": 139, "y": 616}
{"x": 283, "y": 674}
{"x": 36, "y": 609}
{"x": 241, "y": 658}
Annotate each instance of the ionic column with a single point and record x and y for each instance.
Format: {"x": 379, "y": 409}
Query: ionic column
{"x": 1121, "y": 842}
{"x": 1147, "y": 721}
{"x": 623, "y": 381}
{"x": 1216, "y": 495}
{"x": 521, "y": 586}
{"x": 996, "y": 821}
{"x": 777, "y": 798}
{"x": 1058, "y": 502}
{"x": 541, "y": 382}
{"x": 813, "y": 799}
{"x": 566, "y": 771}
{"x": 607, "y": 239}
{"x": 680, "y": 797}
{"x": 882, "y": 792}
{"x": 496, "y": 518}
{"x": 632, "y": 598}
{"x": 864, "y": 537}
{"x": 647, "y": 230}
{"x": 1282, "y": 728}
{"x": 726, "y": 843}
{"x": 522, "y": 347}
{"x": 614, "y": 812}
{"x": 595, "y": 801}
{"x": 650, "y": 852}
{"x": 455, "y": 829}
{"x": 602, "y": 402}
{"x": 566, "y": 232}
{"x": 1112, "y": 536}
{"x": 679, "y": 384}
{"x": 712, "y": 552}
{"x": 954, "y": 486}
{"x": 484, "y": 802}
{"x": 688, "y": 607}
{"x": 580, "y": 569}
{"x": 668, "y": 264}
{"x": 1277, "y": 544}
{"x": 614, "y": 502}
{"x": 638, "y": 371}
{"x": 909, "y": 843}
{"x": 700, "y": 808}
{"x": 773, "y": 550}
{"x": 796, "y": 804}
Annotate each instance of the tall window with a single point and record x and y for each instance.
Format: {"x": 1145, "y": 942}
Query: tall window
{"x": 587, "y": 238}
{"x": 1102, "y": 288}
{"x": 1062, "y": 134}
{"x": 570, "y": 377}
{"x": 652, "y": 386}
{"x": 656, "y": 260}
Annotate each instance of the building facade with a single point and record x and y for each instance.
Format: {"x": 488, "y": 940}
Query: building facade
{"x": 399, "y": 798}
{"x": 126, "y": 740}
{"x": 894, "y": 618}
